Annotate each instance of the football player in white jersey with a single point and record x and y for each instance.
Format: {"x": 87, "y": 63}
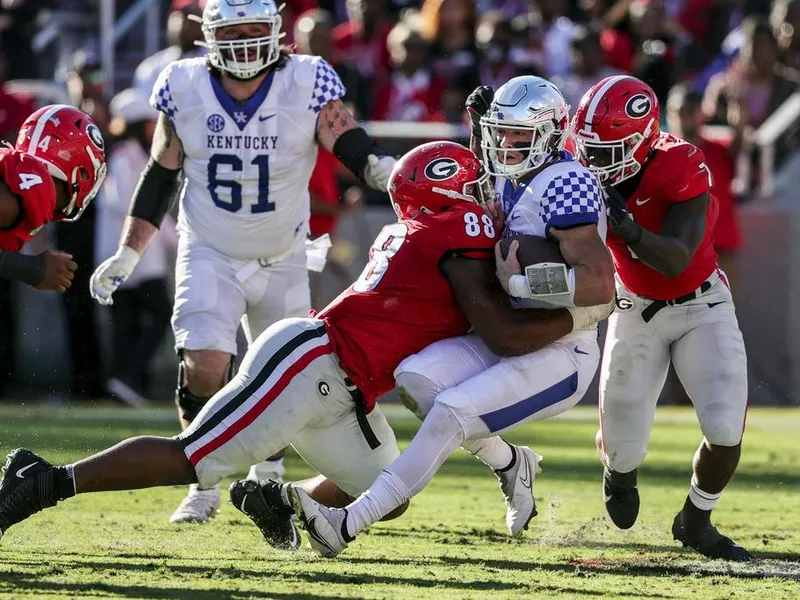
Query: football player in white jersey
{"x": 467, "y": 395}
{"x": 238, "y": 132}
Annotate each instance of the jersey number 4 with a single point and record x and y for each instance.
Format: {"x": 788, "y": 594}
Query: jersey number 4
{"x": 28, "y": 180}
{"x": 235, "y": 163}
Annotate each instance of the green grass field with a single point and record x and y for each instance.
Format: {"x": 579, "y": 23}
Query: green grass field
{"x": 451, "y": 542}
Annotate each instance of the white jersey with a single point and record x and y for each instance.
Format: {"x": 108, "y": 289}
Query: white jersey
{"x": 247, "y": 165}
{"x": 564, "y": 194}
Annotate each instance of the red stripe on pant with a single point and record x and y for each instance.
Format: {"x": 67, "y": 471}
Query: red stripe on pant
{"x": 260, "y": 406}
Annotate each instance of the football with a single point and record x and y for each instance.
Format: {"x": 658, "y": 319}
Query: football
{"x": 533, "y": 249}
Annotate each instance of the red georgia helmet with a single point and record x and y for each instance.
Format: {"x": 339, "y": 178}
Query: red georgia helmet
{"x": 435, "y": 176}
{"x": 71, "y": 145}
{"x": 615, "y": 126}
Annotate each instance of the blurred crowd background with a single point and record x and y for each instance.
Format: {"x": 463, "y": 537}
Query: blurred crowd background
{"x": 720, "y": 68}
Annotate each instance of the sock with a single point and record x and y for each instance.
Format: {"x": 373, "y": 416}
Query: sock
{"x": 63, "y": 482}
{"x": 700, "y": 499}
{"x": 385, "y": 494}
{"x": 495, "y": 452}
{"x": 439, "y": 435}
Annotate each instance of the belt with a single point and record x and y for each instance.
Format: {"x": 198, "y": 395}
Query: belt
{"x": 656, "y": 305}
{"x": 251, "y": 266}
{"x": 361, "y": 414}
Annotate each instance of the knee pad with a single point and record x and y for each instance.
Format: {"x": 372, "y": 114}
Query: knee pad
{"x": 416, "y": 392}
{"x": 188, "y": 403}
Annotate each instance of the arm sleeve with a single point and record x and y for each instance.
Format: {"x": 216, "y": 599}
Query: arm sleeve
{"x": 571, "y": 199}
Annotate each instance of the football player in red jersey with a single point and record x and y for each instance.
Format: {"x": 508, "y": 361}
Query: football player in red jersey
{"x": 673, "y": 305}
{"x": 53, "y": 172}
{"x": 313, "y": 382}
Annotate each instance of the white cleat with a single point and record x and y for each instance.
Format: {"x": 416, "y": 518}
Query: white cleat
{"x": 516, "y": 483}
{"x": 198, "y": 506}
{"x": 326, "y": 527}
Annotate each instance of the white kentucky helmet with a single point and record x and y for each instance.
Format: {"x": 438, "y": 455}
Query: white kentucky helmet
{"x": 259, "y": 53}
{"x": 524, "y": 104}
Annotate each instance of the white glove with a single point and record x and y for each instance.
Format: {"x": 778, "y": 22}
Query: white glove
{"x": 112, "y": 273}
{"x": 378, "y": 170}
{"x": 586, "y": 317}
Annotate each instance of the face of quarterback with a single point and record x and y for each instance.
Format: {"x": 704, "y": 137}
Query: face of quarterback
{"x": 514, "y": 137}
{"x": 244, "y": 31}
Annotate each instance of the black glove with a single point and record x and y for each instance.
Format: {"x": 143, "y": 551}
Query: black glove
{"x": 619, "y": 219}
{"x": 478, "y": 103}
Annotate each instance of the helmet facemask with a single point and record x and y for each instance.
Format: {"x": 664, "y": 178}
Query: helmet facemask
{"x": 545, "y": 140}
{"x": 477, "y": 191}
{"x": 612, "y": 162}
{"x": 244, "y": 57}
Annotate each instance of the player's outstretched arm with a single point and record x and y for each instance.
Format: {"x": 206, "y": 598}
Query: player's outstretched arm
{"x": 505, "y": 330}
{"x": 151, "y": 201}
{"x": 586, "y": 253}
{"x": 671, "y": 251}
{"x": 50, "y": 270}
{"x": 339, "y": 133}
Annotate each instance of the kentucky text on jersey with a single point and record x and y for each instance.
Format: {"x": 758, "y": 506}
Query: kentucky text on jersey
{"x": 239, "y": 142}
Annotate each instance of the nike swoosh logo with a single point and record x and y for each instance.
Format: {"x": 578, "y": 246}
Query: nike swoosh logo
{"x": 713, "y": 304}
{"x": 640, "y": 202}
{"x": 312, "y": 531}
{"x": 244, "y": 501}
{"x": 579, "y": 351}
{"x": 525, "y": 478}
{"x": 606, "y": 498}
{"x": 21, "y": 472}
{"x": 265, "y": 118}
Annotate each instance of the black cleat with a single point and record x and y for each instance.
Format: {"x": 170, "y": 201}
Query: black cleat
{"x": 275, "y": 522}
{"x": 26, "y": 488}
{"x": 621, "y": 497}
{"x": 701, "y": 535}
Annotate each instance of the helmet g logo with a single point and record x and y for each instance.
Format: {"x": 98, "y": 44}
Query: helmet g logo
{"x": 441, "y": 169}
{"x": 95, "y": 136}
{"x": 638, "y": 106}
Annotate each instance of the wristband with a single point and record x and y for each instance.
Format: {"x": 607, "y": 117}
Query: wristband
{"x": 553, "y": 283}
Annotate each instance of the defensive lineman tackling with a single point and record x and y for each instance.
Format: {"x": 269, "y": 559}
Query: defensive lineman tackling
{"x": 243, "y": 123}
{"x": 466, "y": 394}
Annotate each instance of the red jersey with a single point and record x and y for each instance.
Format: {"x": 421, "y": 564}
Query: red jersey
{"x": 676, "y": 173}
{"x": 324, "y": 186}
{"x": 722, "y": 165}
{"x": 30, "y": 181}
{"x": 402, "y": 302}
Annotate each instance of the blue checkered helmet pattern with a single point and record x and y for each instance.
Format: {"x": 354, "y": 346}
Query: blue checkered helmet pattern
{"x": 572, "y": 198}
{"x": 328, "y": 86}
{"x": 255, "y": 54}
